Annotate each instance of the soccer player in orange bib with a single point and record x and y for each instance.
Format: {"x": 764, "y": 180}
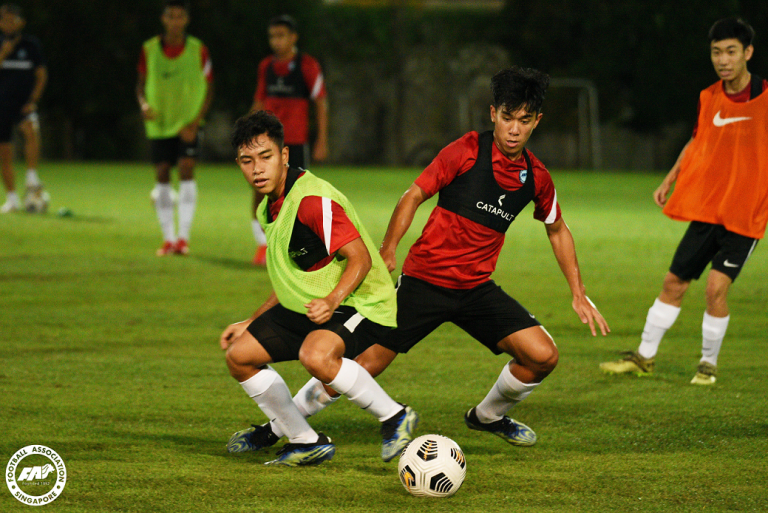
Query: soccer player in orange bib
{"x": 722, "y": 189}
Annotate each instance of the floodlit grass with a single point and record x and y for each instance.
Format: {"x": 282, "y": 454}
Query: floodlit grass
{"x": 109, "y": 355}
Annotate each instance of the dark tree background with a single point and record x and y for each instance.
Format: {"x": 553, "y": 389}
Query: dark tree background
{"x": 648, "y": 58}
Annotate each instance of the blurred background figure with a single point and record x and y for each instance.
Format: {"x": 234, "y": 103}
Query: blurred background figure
{"x": 174, "y": 90}
{"x": 22, "y": 80}
{"x": 288, "y": 80}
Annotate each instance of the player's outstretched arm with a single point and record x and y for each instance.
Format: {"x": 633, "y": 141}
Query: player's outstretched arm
{"x": 563, "y": 247}
{"x": 401, "y": 220}
{"x": 234, "y": 330}
{"x": 359, "y": 263}
{"x": 661, "y": 194}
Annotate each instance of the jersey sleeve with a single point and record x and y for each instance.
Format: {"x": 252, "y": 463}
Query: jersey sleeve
{"x": 328, "y": 220}
{"x": 456, "y": 158}
{"x": 313, "y": 77}
{"x": 205, "y": 58}
{"x": 546, "y": 208}
{"x": 141, "y": 67}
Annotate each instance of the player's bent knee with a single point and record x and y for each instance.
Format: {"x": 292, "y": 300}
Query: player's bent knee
{"x": 317, "y": 363}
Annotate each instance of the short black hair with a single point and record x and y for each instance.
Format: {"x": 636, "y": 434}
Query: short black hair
{"x": 250, "y": 126}
{"x": 518, "y": 87}
{"x": 12, "y": 9}
{"x": 285, "y": 20}
{"x": 732, "y": 28}
{"x": 184, "y": 4}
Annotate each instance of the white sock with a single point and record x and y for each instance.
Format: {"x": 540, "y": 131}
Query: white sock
{"x": 258, "y": 233}
{"x": 271, "y": 393}
{"x": 506, "y": 393}
{"x": 164, "y": 208}
{"x": 12, "y": 197}
{"x": 32, "y": 179}
{"x": 311, "y": 399}
{"x": 712, "y": 332}
{"x": 360, "y": 388}
{"x": 187, "y": 204}
{"x": 661, "y": 317}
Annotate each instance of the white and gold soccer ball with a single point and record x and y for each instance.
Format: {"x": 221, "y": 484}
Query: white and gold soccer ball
{"x": 36, "y": 200}
{"x": 432, "y": 466}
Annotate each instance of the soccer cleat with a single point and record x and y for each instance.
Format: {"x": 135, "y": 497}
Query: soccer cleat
{"x": 254, "y": 438}
{"x": 9, "y": 206}
{"x": 167, "y": 248}
{"x": 705, "y": 374}
{"x": 292, "y": 455}
{"x": 260, "y": 258}
{"x": 181, "y": 247}
{"x": 509, "y": 430}
{"x": 632, "y": 362}
{"x": 397, "y": 432}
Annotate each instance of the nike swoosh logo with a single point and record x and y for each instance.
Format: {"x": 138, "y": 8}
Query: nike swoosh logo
{"x": 718, "y": 121}
{"x": 728, "y": 264}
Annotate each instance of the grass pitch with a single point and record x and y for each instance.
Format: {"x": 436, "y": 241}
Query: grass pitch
{"x": 109, "y": 355}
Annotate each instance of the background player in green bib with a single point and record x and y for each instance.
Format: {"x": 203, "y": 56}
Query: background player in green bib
{"x": 174, "y": 90}
{"x": 332, "y": 299}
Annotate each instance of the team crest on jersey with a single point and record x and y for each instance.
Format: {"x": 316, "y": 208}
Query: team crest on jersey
{"x": 523, "y": 175}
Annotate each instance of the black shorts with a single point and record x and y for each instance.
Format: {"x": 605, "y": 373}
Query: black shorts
{"x": 9, "y": 118}
{"x": 281, "y": 332}
{"x": 172, "y": 149}
{"x": 486, "y": 312}
{"x": 298, "y": 155}
{"x": 704, "y": 243}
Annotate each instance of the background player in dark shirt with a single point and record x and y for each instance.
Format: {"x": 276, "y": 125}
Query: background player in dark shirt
{"x": 22, "y": 79}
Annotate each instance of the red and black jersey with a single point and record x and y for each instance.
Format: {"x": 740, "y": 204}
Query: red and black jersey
{"x": 277, "y": 89}
{"x": 454, "y": 251}
{"x": 322, "y": 227}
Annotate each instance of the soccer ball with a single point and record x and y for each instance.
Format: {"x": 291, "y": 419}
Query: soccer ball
{"x": 432, "y": 466}
{"x": 36, "y": 200}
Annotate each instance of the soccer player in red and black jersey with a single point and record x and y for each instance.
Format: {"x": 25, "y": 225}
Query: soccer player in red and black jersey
{"x": 288, "y": 80}
{"x": 484, "y": 181}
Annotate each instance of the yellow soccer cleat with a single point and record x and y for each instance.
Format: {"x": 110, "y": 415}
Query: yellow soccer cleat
{"x": 705, "y": 374}
{"x": 633, "y": 362}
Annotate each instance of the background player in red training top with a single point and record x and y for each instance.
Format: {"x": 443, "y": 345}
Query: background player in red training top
{"x": 722, "y": 188}
{"x": 288, "y": 80}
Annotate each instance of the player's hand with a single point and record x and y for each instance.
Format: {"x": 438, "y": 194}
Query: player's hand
{"x": 147, "y": 112}
{"x": 320, "y": 310}
{"x": 188, "y": 134}
{"x": 232, "y": 333}
{"x": 661, "y": 193}
{"x": 587, "y": 312}
{"x": 390, "y": 260}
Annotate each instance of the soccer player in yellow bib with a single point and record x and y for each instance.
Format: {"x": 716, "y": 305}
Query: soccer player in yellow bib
{"x": 174, "y": 90}
{"x": 333, "y": 298}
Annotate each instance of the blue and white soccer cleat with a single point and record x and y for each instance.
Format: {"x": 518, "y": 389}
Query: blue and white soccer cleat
{"x": 509, "y": 430}
{"x": 293, "y": 455}
{"x": 254, "y": 438}
{"x": 397, "y": 432}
